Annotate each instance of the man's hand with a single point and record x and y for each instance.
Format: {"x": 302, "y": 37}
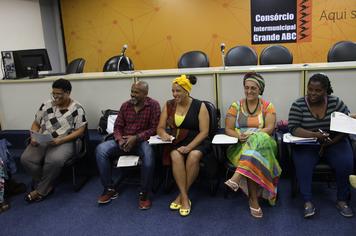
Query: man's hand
{"x": 130, "y": 142}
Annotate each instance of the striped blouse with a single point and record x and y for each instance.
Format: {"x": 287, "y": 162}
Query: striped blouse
{"x": 300, "y": 115}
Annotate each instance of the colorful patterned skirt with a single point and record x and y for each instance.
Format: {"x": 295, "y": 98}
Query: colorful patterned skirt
{"x": 256, "y": 159}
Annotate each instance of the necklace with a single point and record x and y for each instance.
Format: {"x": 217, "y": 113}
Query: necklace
{"x": 248, "y": 109}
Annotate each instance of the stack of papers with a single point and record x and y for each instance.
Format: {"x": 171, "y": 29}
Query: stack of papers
{"x": 224, "y": 139}
{"x": 289, "y": 138}
{"x": 125, "y": 161}
{"x": 41, "y": 138}
{"x": 157, "y": 140}
{"x": 343, "y": 123}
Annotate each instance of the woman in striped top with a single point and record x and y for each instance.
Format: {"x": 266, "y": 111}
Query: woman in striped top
{"x": 309, "y": 116}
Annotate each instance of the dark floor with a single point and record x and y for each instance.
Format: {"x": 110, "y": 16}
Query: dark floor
{"x": 76, "y": 213}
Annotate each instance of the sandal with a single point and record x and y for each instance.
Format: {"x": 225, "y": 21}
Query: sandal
{"x": 33, "y": 197}
{"x": 257, "y": 213}
{"x": 185, "y": 212}
{"x": 174, "y": 206}
{"x": 232, "y": 185}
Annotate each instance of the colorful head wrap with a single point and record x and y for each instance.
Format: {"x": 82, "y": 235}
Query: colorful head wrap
{"x": 184, "y": 82}
{"x": 257, "y": 78}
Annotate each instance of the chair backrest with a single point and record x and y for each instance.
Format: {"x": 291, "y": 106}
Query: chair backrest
{"x": 193, "y": 59}
{"x": 241, "y": 56}
{"x": 275, "y": 54}
{"x": 118, "y": 63}
{"x": 213, "y": 120}
{"x": 342, "y": 51}
{"x": 75, "y": 66}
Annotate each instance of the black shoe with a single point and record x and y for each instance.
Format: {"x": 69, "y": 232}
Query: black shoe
{"x": 309, "y": 210}
{"x": 344, "y": 209}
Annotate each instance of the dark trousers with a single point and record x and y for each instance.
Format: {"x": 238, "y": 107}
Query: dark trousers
{"x": 340, "y": 158}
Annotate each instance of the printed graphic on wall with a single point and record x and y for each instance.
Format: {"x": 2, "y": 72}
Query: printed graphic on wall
{"x": 276, "y": 21}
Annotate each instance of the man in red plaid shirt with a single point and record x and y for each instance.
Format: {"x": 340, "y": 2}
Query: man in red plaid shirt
{"x": 137, "y": 120}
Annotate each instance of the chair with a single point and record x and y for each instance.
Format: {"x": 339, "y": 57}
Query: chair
{"x": 275, "y": 54}
{"x": 193, "y": 59}
{"x": 241, "y": 56}
{"x": 78, "y": 158}
{"x": 342, "y": 51}
{"x": 75, "y": 66}
{"x": 118, "y": 63}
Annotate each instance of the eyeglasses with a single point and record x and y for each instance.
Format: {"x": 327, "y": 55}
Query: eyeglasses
{"x": 57, "y": 95}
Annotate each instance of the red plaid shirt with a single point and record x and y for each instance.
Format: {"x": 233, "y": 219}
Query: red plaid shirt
{"x": 143, "y": 123}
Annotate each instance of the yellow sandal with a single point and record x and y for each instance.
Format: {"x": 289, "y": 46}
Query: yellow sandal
{"x": 174, "y": 206}
{"x": 185, "y": 212}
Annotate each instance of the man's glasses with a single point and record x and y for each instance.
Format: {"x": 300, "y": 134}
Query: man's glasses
{"x": 56, "y": 95}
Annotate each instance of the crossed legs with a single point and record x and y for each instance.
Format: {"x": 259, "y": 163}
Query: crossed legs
{"x": 185, "y": 171}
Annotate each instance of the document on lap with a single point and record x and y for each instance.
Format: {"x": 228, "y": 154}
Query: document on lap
{"x": 157, "y": 140}
{"x": 289, "y": 138}
{"x": 343, "y": 123}
{"x": 129, "y": 160}
{"x": 224, "y": 139}
{"x": 41, "y": 138}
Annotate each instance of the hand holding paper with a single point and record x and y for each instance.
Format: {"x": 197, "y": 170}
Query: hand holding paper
{"x": 41, "y": 138}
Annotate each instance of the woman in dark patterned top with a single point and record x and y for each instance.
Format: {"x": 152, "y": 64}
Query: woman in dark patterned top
{"x": 310, "y": 116}
{"x": 188, "y": 120}
{"x": 62, "y": 118}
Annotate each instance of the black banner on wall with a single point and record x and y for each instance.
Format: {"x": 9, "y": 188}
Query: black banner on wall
{"x": 273, "y": 21}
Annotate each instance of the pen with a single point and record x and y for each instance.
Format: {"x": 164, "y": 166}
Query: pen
{"x": 325, "y": 134}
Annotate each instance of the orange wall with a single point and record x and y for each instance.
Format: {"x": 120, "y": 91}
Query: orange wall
{"x": 159, "y": 31}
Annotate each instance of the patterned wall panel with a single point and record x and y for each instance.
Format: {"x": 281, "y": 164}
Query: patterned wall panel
{"x": 159, "y": 31}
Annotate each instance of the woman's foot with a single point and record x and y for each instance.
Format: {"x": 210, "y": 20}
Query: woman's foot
{"x": 255, "y": 209}
{"x": 232, "y": 185}
{"x": 185, "y": 210}
{"x": 309, "y": 210}
{"x": 256, "y": 212}
{"x": 176, "y": 204}
{"x": 33, "y": 196}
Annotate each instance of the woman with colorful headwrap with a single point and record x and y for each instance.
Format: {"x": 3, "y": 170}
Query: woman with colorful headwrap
{"x": 252, "y": 121}
{"x": 187, "y": 120}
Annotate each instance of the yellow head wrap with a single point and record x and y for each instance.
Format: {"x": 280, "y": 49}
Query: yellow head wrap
{"x": 184, "y": 82}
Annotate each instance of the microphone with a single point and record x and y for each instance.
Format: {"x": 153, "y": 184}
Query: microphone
{"x": 222, "y": 47}
{"x": 124, "y": 49}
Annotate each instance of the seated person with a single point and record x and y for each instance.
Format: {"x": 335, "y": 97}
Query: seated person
{"x": 309, "y": 117}
{"x": 136, "y": 121}
{"x": 188, "y": 122}
{"x": 64, "y": 119}
{"x": 252, "y": 121}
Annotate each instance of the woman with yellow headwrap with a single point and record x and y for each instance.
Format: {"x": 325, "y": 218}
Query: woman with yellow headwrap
{"x": 252, "y": 121}
{"x": 187, "y": 120}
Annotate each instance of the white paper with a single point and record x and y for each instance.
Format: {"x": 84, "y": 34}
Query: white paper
{"x": 41, "y": 138}
{"x": 342, "y": 123}
{"x": 224, "y": 139}
{"x": 157, "y": 140}
{"x": 289, "y": 138}
{"x": 110, "y": 125}
{"x": 125, "y": 161}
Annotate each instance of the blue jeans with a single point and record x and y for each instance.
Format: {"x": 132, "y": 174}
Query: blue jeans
{"x": 340, "y": 158}
{"x": 107, "y": 151}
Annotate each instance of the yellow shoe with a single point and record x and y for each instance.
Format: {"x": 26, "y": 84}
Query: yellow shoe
{"x": 174, "y": 206}
{"x": 352, "y": 179}
{"x": 185, "y": 212}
